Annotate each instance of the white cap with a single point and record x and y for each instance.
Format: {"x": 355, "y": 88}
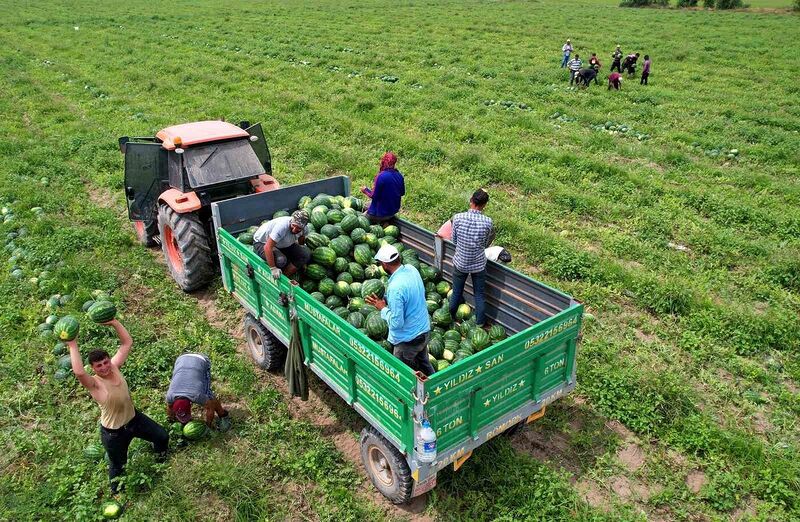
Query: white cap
{"x": 387, "y": 254}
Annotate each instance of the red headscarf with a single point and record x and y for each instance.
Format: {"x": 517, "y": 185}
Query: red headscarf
{"x": 388, "y": 161}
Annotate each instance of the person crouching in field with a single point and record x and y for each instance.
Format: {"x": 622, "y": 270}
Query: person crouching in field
{"x": 615, "y": 81}
{"x": 191, "y": 383}
{"x": 387, "y": 191}
{"x": 574, "y": 66}
{"x": 120, "y": 422}
{"x": 630, "y": 63}
{"x": 585, "y": 76}
{"x": 645, "y": 70}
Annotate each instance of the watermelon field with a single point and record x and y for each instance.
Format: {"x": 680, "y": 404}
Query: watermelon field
{"x": 672, "y": 211}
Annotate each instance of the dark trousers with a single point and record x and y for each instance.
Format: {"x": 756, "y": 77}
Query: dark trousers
{"x": 616, "y": 65}
{"x": 378, "y": 220}
{"x": 644, "y": 78}
{"x": 414, "y": 354}
{"x": 116, "y": 443}
{"x": 478, "y": 285}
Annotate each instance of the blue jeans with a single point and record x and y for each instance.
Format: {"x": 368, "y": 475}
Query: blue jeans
{"x": 457, "y": 297}
{"x": 565, "y": 60}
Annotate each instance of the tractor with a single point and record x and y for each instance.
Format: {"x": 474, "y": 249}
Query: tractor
{"x": 172, "y": 179}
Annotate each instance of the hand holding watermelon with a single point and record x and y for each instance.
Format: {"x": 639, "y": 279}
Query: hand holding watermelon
{"x": 373, "y": 300}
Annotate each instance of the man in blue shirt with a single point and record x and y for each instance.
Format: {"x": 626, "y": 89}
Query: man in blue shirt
{"x": 387, "y": 191}
{"x": 405, "y": 310}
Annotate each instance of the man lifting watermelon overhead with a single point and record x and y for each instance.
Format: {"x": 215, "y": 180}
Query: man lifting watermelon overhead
{"x": 191, "y": 383}
{"x": 120, "y": 422}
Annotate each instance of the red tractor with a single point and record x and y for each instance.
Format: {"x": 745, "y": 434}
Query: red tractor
{"x": 172, "y": 179}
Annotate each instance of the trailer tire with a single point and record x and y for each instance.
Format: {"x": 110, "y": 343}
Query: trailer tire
{"x": 265, "y": 349}
{"x": 186, "y": 248}
{"x": 516, "y": 428}
{"x": 146, "y": 232}
{"x": 386, "y": 467}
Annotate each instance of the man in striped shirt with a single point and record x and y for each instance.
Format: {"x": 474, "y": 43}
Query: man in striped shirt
{"x": 574, "y": 66}
{"x": 472, "y": 233}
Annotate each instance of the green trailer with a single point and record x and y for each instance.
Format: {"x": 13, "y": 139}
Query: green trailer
{"x": 494, "y": 391}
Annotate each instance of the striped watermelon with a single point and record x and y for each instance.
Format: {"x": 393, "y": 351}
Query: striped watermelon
{"x": 436, "y": 348}
{"x": 318, "y": 219}
{"x": 66, "y": 329}
{"x": 372, "y": 287}
{"x": 357, "y": 235}
{"x": 356, "y": 319}
{"x": 330, "y": 231}
{"x": 316, "y": 272}
{"x": 463, "y": 312}
{"x": 349, "y": 223}
{"x": 355, "y": 290}
{"x": 497, "y": 333}
{"x": 93, "y": 452}
{"x": 442, "y": 317}
{"x": 326, "y": 286}
{"x": 333, "y": 301}
{"x": 315, "y": 240}
{"x": 392, "y": 231}
{"x": 102, "y": 311}
{"x": 335, "y": 216}
{"x": 356, "y": 270}
{"x": 376, "y": 327}
{"x": 342, "y": 288}
{"x": 325, "y": 256}
{"x": 377, "y": 230}
{"x": 342, "y": 312}
{"x": 346, "y": 277}
{"x": 355, "y": 304}
{"x": 363, "y": 255}
{"x": 480, "y": 339}
{"x": 342, "y": 245}
{"x": 193, "y": 430}
{"x": 340, "y": 265}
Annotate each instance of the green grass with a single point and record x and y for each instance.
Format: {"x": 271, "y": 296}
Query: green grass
{"x": 695, "y": 351}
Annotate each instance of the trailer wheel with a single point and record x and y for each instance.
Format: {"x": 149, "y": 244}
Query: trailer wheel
{"x": 516, "y": 428}
{"x": 386, "y": 466}
{"x": 265, "y": 349}
{"x": 146, "y": 232}
{"x": 186, "y": 248}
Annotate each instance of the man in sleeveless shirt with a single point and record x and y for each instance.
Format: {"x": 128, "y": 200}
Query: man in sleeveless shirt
{"x": 120, "y": 422}
{"x": 191, "y": 383}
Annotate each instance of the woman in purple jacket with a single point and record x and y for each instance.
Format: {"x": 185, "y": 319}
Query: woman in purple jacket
{"x": 386, "y": 192}
{"x": 645, "y": 70}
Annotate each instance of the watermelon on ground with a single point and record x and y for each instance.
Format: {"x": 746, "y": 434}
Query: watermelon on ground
{"x": 193, "y": 430}
{"x": 93, "y": 452}
{"x": 111, "y": 509}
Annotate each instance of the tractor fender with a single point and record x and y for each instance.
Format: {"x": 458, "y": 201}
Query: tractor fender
{"x": 265, "y": 183}
{"x": 180, "y": 202}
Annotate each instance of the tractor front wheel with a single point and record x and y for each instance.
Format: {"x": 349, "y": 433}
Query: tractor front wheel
{"x": 186, "y": 248}
{"x": 146, "y": 232}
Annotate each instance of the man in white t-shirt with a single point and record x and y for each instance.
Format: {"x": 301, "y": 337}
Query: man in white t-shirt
{"x": 286, "y": 235}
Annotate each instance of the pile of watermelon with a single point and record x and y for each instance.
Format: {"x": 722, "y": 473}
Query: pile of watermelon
{"x": 343, "y": 272}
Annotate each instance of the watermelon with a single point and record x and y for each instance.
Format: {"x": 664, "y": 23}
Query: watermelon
{"x": 400, "y": 247}
{"x": 318, "y": 296}
{"x": 346, "y": 277}
{"x": 433, "y": 296}
{"x": 441, "y": 365}
{"x": 357, "y": 235}
{"x": 480, "y": 339}
{"x": 51, "y": 319}
{"x": 93, "y": 452}
{"x": 467, "y": 346}
{"x": 335, "y": 216}
{"x": 341, "y": 311}
{"x": 315, "y": 240}
{"x": 111, "y": 509}
{"x": 326, "y": 286}
{"x": 340, "y": 265}
{"x": 349, "y": 223}
{"x": 309, "y": 285}
{"x": 372, "y": 287}
{"x": 324, "y": 256}
{"x": 355, "y": 289}
{"x": 321, "y": 199}
{"x": 245, "y": 237}
{"x": 333, "y": 301}
{"x": 452, "y": 335}
{"x": 363, "y": 222}
{"x": 61, "y": 374}
{"x": 17, "y": 273}
{"x": 320, "y": 209}
{"x": 377, "y": 230}
{"x": 102, "y": 311}
{"x": 367, "y": 310}
{"x": 65, "y": 299}
{"x": 376, "y": 327}
{"x": 356, "y": 270}
{"x": 372, "y": 272}
{"x": 88, "y": 304}
{"x": 372, "y": 240}
{"x": 443, "y": 288}
{"x": 392, "y": 231}
{"x": 330, "y": 231}
{"x": 452, "y": 345}
{"x": 436, "y": 348}
{"x": 355, "y": 304}
{"x": 354, "y": 203}
{"x": 356, "y": 319}
{"x": 497, "y": 333}
{"x": 342, "y": 288}
{"x": 193, "y": 430}
{"x": 304, "y": 202}
{"x": 428, "y": 273}
{"x": 448, "y": 355}
{"x": 66, "y": 329}
{"x": 59, "y": 349}
{"x": 430, "y": 287}
{"x": 64, "y": 362}
{"x": 53, "y": 302}
{"x": 432, "y": 306}
{"x": 442, "y": 317}
{"x": 463, "y": 312}
{"x": 363, "y": 255}
{"x": 466, "y": 327}
{"x": 316, "y": 272}
{"x": 342, "y": 245}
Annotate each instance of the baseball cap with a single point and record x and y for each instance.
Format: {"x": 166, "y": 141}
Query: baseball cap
{"x": 387, "y": 254}
{"x": 183, "y": 410}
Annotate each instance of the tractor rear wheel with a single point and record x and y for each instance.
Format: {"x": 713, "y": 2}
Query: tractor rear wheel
{"x": 186, "y": 248}
{"x": 146, "y": 232}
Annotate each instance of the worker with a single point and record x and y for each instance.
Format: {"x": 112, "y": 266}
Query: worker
{"x": 645, "y": 70}
{"x": 120, "y": 422}
{"x": 280, "y": 242}
{"x": 473, "y": 232}
{"x": 630, "y": 63}
{"x": 585, "y": 76}
{"x": 574, "y": 66}
{"x": 387, "y": 190}
{"x": 616, "y": 57}
{"x": 614, "y": 80}
{"x": 405, "y": 310}
{"x": 191, "y": 384}
{"x": 566, "y": 49}
{"x": 594, "y": 63}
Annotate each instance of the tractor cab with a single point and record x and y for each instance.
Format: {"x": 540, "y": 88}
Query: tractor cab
{"x": 174, "y": 177}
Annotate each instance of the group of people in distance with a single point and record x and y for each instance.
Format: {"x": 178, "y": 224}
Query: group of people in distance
{"x": 403, "y": 306}
{"x": 580, "y": 75}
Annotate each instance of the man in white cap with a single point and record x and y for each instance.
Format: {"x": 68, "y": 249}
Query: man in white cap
{"x": 405, "y": 310}
{"x": 284, "y": 236}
